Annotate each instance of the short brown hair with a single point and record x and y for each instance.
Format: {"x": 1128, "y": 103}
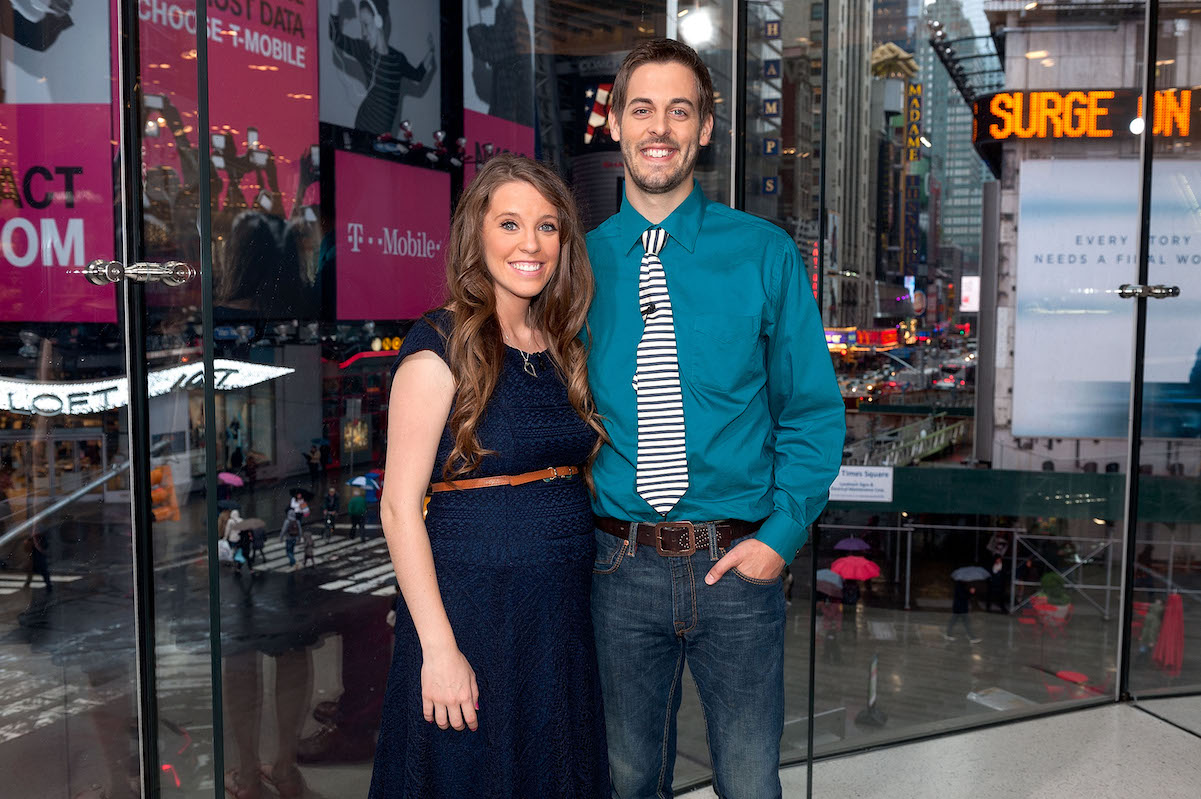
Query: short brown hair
{"x": 664, "y": 51}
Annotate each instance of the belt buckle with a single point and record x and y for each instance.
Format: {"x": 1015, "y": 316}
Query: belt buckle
{"x": 675, "y": 527}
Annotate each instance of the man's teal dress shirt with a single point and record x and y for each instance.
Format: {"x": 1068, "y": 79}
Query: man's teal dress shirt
{"x": 763, "y": 415}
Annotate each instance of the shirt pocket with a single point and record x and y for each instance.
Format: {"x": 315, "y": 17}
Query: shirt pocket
{"x": 726, "y": 353}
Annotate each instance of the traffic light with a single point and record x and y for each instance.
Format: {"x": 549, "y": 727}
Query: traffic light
{"x": 163, "y": 502}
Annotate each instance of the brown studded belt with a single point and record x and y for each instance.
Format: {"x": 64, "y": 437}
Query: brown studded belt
{"x": 679, "y": 538}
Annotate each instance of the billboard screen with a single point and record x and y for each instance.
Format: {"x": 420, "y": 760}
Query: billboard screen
{"x": 392, "y": 223}
{"x": 1074, "y": 336}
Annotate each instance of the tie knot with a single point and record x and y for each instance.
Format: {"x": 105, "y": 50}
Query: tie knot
{"x": 653, "y": 240}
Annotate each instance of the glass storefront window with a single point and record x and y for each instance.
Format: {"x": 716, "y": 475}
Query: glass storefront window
{"x": 961, "y": 180}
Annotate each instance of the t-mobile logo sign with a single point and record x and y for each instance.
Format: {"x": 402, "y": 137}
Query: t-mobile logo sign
{"x": 393, "y": 242}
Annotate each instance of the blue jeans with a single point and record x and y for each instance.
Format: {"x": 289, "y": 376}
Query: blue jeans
{"x": 652, "y": 614}
{"x": 290, "y": 546}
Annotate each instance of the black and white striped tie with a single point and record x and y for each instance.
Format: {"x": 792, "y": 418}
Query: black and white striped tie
{"x": 662, "y": 474}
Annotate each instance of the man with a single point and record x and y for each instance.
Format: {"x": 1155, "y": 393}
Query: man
{"x": 331, "y": 507}
{"x": 357, "y": 508}
{"x": 710, "y": 367}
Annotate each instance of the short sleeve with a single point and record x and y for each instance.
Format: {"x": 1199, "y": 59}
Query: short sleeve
{"x": 427, "y": 333}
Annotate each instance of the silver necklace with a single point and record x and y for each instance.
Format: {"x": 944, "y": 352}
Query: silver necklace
{"x": 525, "y": 358}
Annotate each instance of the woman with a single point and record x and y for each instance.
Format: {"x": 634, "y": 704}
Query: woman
{"x": 493, "y": 690}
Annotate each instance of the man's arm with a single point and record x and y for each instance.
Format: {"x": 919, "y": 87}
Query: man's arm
{"x": 355, "y": 48}
{"x": 808, "y": 415}
{"x": 808, "y": 424}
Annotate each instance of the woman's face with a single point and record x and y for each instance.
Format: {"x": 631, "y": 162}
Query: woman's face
{"x": 521, "y": 241}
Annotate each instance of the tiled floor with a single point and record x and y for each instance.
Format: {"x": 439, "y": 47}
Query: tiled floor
{"x": 1183, "y": 711}
{"x": 1111, "y": 752}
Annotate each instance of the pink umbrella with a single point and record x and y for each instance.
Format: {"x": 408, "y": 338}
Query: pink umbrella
{"x": 229, "y": 479}
{"x": 853, "y": 567}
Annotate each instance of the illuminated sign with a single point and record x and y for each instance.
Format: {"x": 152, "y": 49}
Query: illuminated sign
{"x": 839, "y": 338}
{"x": 969, "y": 298}
{"x": 355, "y": 435}
{"x": 31, "y": 397}
{"x": 1081, "y": 114}
{"x": 913, "y": 121}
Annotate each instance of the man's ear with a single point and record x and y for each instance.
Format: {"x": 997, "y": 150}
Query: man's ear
{"x": 707, "y": 131}
{"x": 614, "y": 127}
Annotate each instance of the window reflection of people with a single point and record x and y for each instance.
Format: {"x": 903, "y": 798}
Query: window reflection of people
{"x": 263, "y": 271}
{"x": 383, "y": 67}
{"x": 494, "y": 688}
{"x": 501, "y": 65}
{"x": 20, "y": 22}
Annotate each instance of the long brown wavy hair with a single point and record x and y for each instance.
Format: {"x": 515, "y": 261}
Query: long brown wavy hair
{"x": 474, "y": 347}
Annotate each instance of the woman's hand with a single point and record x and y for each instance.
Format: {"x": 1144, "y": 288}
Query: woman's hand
{"x": 449, "y": 694}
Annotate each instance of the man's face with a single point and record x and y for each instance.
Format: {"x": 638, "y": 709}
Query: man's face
{"x": 660, "y": 129}
{"x": 370, "y": 32}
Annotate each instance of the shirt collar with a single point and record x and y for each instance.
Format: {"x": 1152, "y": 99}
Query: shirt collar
{"x": 683, "y": 224}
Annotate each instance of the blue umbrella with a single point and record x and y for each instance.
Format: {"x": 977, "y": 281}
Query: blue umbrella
{"x": 969, "y": 574}
{"x": 363, "y": 481}
{"x": 852, "y": 544}
{"x": 829, "y": 583}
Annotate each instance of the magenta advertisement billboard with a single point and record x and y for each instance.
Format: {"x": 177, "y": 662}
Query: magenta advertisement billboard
{"x": 56, "y": 171}
{"x": 56, "y": 212}
{"x": 393, "y": 221}
{"x": 262, "y": 99}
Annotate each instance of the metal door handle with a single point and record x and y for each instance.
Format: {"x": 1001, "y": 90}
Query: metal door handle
{"x": 172, "y": 273}
{"x": 1156, "y": 292}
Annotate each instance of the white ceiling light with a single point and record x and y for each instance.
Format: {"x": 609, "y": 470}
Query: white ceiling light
{"x": 696, "y": 29}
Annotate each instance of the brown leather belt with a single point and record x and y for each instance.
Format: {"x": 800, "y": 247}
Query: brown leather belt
{"x": 679, "y": 538}
{"x": 547, "y": 474}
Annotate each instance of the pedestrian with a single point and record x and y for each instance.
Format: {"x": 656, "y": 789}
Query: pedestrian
{"x": 309, "y": 560}
{"x": 357, "y": 509}
{"x": 252, "y": 471}
{"x": 39, "y": 559}
{"x": 314, "y": 462}
{"x": 239, "y": 541}
{"x": 961, "y": 606}
{"x": 259, "y": 541}
{"x": 1027, "y": 573}
{"x": 299, "y": 505}
{"x": 723, "y": 445}
{"x": 997, "y": 579}
{"x": 330, "y": 509}
{"x": 290, "y": 533}
{"x": 493, "y": 689}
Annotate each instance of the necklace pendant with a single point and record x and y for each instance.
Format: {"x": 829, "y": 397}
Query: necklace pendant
{"x": 529, "y": 369}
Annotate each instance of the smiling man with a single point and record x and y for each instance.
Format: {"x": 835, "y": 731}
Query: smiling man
{"x": 726, "y": 427}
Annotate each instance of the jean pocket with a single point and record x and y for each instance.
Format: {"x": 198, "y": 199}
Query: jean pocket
{"x": 610, "y": 550}
{"x": 755, "y": 580}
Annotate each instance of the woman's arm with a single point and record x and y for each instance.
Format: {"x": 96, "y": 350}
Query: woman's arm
{"x": 422, "y": 393}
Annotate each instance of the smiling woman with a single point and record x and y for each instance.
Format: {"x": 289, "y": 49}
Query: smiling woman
{"x": 476, "y": 649}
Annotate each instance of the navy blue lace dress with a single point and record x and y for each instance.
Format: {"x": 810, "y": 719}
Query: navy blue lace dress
{"x": 514, "y": 567}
